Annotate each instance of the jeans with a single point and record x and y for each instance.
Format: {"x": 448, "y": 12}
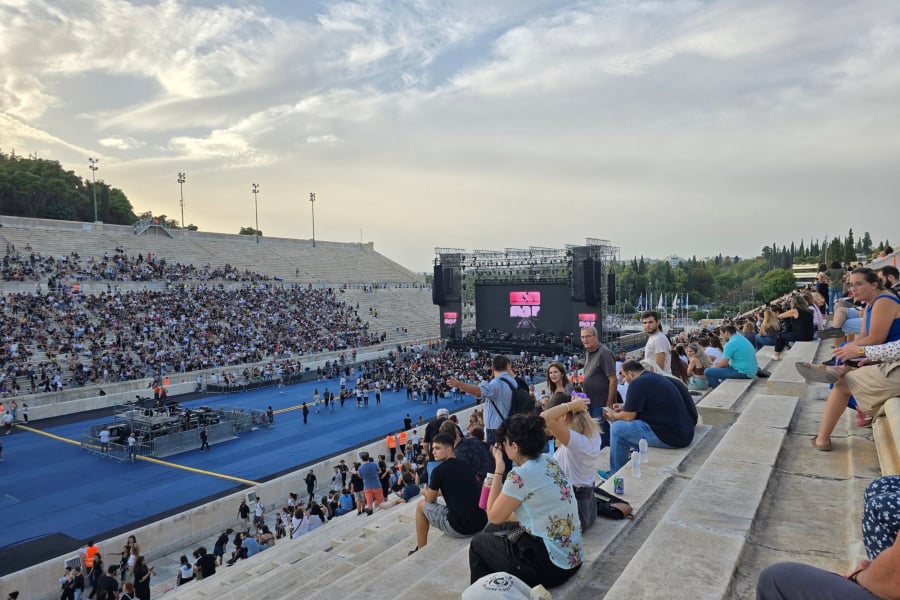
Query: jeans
{"x": 853, "y": 325}
{"x": 764, "y": 340}
{"x": 834, "y": 294}
{"x": 715, "y": 375}
{"x": 796, "y": 581}
{"x": 625, "y": 435}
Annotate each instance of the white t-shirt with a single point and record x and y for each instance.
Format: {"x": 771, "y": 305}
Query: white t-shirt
{"x": 579, "y": 457}
{"x": 656, "y": 343}
{"x": 714, "y": 354}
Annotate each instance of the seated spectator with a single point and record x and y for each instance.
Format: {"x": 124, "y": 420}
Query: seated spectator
{"x": 658, "y": 408}
{"x": 738, "y": 359}
{"x": 877, "y": 577}
{"x": 299, "y": 523}
{"x": 578, "y": 447}
{"x": 768, "y": 329}
{"x": 534, "y": 528}
{"x": 469, "y": 449}
{"x": 455, "y": 480}
{"x": 800, "y": 329}
{"x": 870, "y": 385}
{"x": 698, "y": 362}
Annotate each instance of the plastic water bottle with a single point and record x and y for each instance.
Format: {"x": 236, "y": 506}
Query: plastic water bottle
{"x": 485, "y": 491}
{"x": 636, "y": 464}
{"x": 642, "y": 446}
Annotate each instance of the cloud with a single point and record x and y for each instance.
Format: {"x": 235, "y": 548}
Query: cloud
{"x": 327, "y": 139}
{"x": 226, "y": 146}
{"x": 121, "y": 143}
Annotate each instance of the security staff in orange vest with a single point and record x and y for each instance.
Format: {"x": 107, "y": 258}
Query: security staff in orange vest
{"x": 401, "y": 443}
{"x": 392, "y": 445}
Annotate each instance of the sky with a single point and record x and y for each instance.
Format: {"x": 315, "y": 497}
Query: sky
{"x": 665, "y": 127}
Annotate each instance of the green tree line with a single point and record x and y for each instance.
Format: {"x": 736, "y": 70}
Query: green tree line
{"x": 40, "y": 188}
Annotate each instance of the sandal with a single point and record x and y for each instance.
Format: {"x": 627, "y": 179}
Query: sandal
{"x": 825, "y": 448}
{"x": 818, "y": 373}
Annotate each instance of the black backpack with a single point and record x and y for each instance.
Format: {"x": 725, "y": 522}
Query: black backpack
{"x": 521, "y": 403}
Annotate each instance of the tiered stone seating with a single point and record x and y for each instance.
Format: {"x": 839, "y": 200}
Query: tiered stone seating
{"x": 886, "y": 430}
{"x": 785, "y": 378}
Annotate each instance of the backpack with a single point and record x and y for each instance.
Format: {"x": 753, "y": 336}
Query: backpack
{"x": 521, "y": 402}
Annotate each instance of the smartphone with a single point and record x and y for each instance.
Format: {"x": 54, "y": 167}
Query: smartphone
{"x": 607, "y": 410}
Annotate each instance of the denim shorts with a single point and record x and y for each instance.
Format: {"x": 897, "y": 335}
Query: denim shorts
{"x": 437, "y": 515}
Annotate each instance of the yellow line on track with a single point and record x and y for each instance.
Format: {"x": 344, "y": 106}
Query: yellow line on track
{"x": 166, "y": 463}
{"x": 157, "y": 461}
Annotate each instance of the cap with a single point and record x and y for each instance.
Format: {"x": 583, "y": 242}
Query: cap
{"x": 443, "y": 412}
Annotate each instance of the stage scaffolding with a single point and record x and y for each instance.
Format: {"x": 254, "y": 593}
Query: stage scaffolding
{"x": 534, "y": 264}
{"x": 167, "y": 430}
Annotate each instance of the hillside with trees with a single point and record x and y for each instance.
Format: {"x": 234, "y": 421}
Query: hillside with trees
{"x": 39, "y": 188}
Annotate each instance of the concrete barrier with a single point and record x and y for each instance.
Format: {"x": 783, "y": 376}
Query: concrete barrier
{"x": 886, "y": 430}
{"x": 785, "y": 380}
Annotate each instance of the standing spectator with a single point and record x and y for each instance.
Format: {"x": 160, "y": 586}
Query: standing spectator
{"x": 66, "y": 584}
{"x": 497, "y": 394}
{"x": 204, "y": 440}
{"x": 311, "y": 485}
{"x": 221, "y": 543}
{"x": 8, "y": 422}
{"x": 600, "y": 378}
{"x": 658, "y": 349}
{"x": 77, "y": 583}
{"x": 244, "y": 514}
{"x": 142, "y": 573}
{"x": 104, "y": 440}
{"x": 259, "y": 511}
{"x": 108, "y": 587}
{"x": 371, "y": 484}
{"x": 132, "y": 446}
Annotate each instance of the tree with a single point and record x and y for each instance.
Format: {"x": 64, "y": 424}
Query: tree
{"x": 777, "y": 282}
{"x": 249, "y": 231}
{"x": 849, "y": 248}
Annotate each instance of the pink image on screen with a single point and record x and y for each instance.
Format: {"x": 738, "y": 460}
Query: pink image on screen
{"x": 524, "y": 298}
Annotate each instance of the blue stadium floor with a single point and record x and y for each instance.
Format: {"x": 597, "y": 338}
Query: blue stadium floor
{"x": 51, "y": 488}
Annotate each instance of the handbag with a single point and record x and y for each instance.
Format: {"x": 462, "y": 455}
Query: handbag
{"x": 612, "y": 507}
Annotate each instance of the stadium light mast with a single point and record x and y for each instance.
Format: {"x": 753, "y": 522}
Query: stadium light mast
{"x": 181, "y": 179}
{"x": 255, "y": 189}
{"x": 312, "y": 205}
{"x": 93, "y": 167}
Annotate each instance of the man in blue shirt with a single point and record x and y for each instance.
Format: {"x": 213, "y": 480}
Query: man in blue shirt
{"x": 371, "y": 484}
{"x": 496, "y": 394}
{"x": 738, "y": 359}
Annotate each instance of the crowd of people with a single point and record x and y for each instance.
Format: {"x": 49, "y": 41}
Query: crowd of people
{"x": 119, "y": 336}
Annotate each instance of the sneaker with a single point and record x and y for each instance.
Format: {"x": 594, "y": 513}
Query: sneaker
{"x": 604, "y": 475}
{"x": 863, "y": 420}
{"x": 774, "y": 357}
{"x": 831, "y": 333}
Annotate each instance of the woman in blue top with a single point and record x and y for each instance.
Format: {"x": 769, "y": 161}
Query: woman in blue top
{"x": 881, "y": 325}
{"x": 534, "y": 531}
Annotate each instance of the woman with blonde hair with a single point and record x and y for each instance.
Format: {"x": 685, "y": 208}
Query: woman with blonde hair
{"x": 577, "y": 449}
{"x": 768, "y": 329}
{"x": 698, "y": 362}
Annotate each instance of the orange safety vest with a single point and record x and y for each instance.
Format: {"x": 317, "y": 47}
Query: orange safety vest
{"x": 402, "y": 440}
{"x": 166, "y": 382}
{"x": 391, "y": 442}
{"x": 90, "y": 552}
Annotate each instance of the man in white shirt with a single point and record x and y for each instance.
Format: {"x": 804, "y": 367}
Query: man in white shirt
{"x": 657, "y": 349}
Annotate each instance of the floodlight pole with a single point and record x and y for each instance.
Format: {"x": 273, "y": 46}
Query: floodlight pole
{"x": 255, "y": 190}
{"x": 181, "y": 180}
{"x": 93, "y": 167}
{"x": 312, "y": 206}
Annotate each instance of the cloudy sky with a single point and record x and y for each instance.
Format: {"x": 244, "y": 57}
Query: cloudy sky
{"x": 666, "y": 127}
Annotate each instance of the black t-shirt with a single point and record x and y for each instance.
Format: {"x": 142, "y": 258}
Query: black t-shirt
{"x": 458, "y": 485}
{"x": 659, "y": 403}
{"x": 356, "y": 483}
{"x": 107, "y": 588}
{"x": 207, "y": 564}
